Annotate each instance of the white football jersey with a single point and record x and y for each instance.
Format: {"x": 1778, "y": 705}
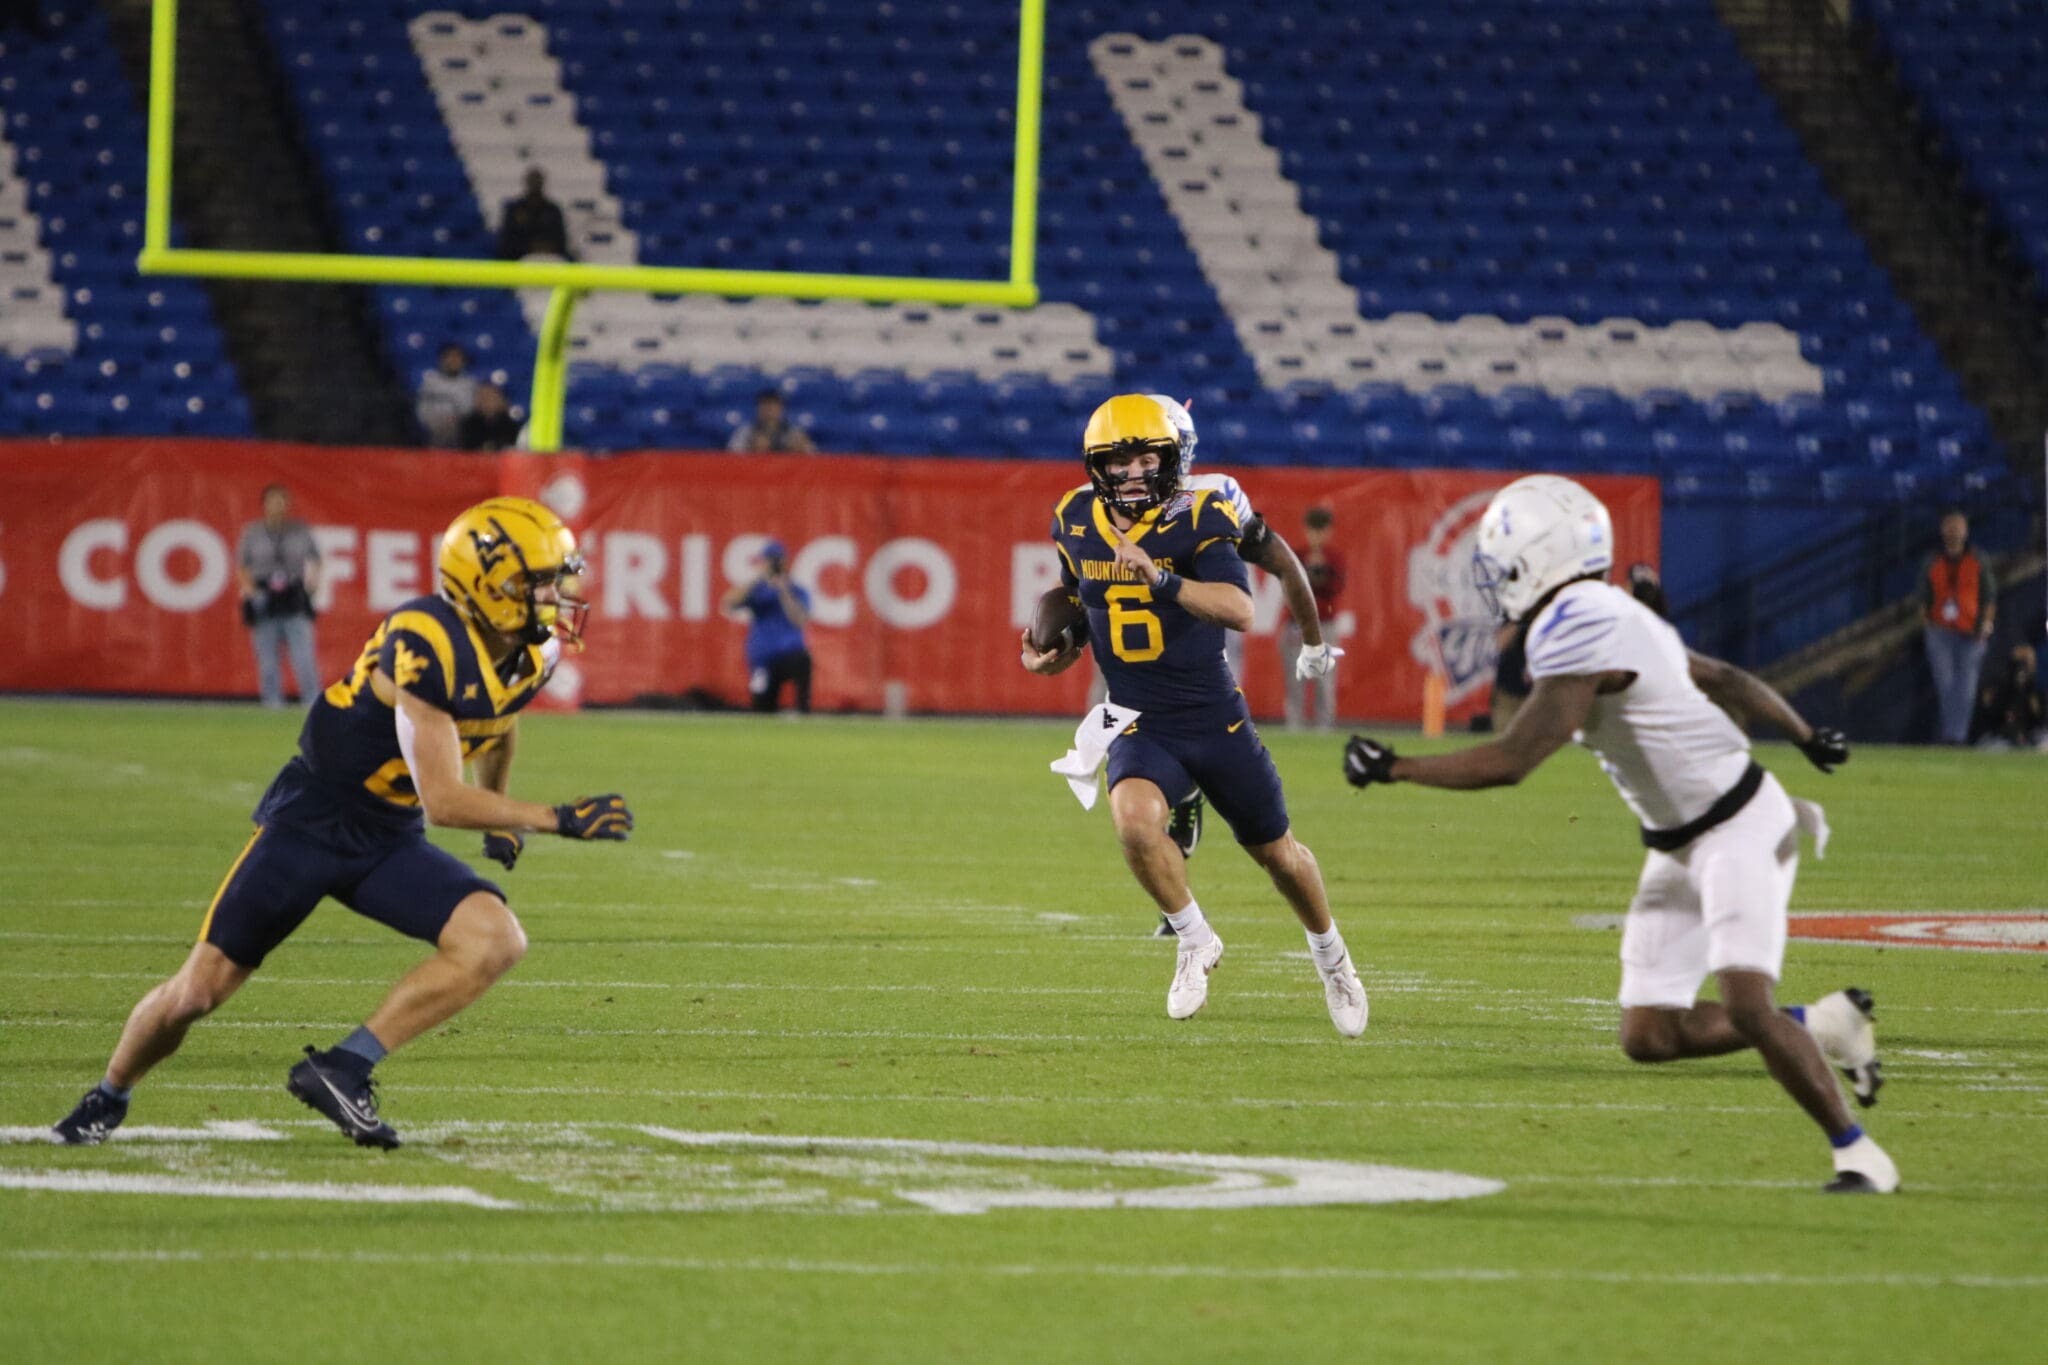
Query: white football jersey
{"x": 1226, "y": 488}
{"x": 1671, "y": 752}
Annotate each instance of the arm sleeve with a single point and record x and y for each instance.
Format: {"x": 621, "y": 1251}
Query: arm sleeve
{"x": 1987, "y": 584}
{"x": 245, "y": 550}
{"x": 1927, "y": 581}
{"x": 1575, "y": 636}
{"x": 419, "y": 664}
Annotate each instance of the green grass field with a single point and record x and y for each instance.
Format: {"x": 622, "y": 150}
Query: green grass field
{"x": 910, "y": 934}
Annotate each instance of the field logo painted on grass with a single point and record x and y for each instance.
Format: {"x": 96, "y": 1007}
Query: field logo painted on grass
{"x": 1980, "y": 931}
{"x": 633, "y": 1168}
{"x": 971, "y": 1177}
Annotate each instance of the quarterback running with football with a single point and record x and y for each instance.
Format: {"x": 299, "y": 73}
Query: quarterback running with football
{"x": 441, "y": 681}
{"x": 1158, "y": 571}
{"x": 1723, "y": 837}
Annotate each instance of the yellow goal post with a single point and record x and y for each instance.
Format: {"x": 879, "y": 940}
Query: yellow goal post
{"x": 569, "y": 281}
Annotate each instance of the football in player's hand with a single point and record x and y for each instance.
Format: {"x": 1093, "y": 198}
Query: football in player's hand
{"x": 1059, "y": 624}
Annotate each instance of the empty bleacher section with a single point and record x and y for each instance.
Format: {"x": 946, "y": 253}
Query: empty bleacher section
{"x": 1567, "y": 235}
{"x": 1977, "y": 69}
{"x": 87, "y": 345}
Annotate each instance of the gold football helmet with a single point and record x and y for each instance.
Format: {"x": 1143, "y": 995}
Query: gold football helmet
{"x": 1132, "y": 424}
{"x": 498, "y": 554}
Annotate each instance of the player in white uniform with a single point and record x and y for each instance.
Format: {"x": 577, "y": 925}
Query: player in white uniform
{"x": 1722, "y": 834}
{"x": 1259, "y": 547}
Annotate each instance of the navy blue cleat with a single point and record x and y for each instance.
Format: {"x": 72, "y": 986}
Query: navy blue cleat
{"x": 346, "y": 1098}
{"x": 96, "y": 1116}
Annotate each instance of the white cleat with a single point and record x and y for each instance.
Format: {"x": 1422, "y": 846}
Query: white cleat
{"x": 1190, "y": 988}
{"x": 1345, "y": 995}
{"x": 1863, "y": 1167}
{"x": 1841, "y": 1024}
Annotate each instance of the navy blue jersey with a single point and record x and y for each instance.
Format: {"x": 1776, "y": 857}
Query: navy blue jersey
{"x": 350, "y": 781}
{"x": 1156, "y": 656}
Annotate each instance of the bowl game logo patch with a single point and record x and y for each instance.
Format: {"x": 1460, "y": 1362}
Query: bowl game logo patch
{"x": 1456, "y": 635}
{"x": 1983, "y": 931}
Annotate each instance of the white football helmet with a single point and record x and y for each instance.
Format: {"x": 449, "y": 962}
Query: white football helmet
{"x": 1184, "y": 427}
{"x": 1539, "y": 533}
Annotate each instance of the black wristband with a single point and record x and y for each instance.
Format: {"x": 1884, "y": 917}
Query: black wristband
{"x": 1167, "y": 586}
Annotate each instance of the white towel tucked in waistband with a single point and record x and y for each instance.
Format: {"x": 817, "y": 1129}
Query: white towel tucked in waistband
{"x": 1091, "y": 746}
{"x": 1813, "y": 821}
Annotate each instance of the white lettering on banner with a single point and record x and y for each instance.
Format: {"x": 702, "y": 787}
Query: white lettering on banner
{"x": 153, "y": 570}
{"x": 337, "y": 546}
{"x": 634, "y": 565}
{"x": 1034, "y": 572}
{"x": 391, "y": 568}
{"x": 74, "y": 564}
{"x": 827, "y": 609}
{"x": 941, "y": 584}
{"x": 693, "y": 591}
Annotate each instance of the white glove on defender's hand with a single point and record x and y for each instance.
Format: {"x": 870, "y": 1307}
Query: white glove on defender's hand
{"x": 1315, "y": 661}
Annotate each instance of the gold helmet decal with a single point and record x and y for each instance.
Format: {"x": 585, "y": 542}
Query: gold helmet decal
{"x": 1132, "y": 424}
{"x": 497, "y": 556}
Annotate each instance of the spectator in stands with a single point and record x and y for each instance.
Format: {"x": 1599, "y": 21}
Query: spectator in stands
{"x": 771, "y": 432}
{"x": 776, "y": 609}
{"x": 447, "y": 395}
{"x": 278, "y": 567}
{"x": 533, "y": 224}
{"x": 490, "y": 424}
{"x": 1959, "y": 600}
{"x": 1325, "y": 569}
{"x": 2010, "y": 712}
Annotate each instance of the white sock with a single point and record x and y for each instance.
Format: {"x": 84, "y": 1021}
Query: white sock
{"x": 1326, "y": 949}
{"x": 1193, "y": 930}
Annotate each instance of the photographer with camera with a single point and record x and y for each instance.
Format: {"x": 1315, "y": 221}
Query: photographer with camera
{"x": 278, "y": 566}
{"x": 776, "y": 610}
{"x": 2011, "y": 713}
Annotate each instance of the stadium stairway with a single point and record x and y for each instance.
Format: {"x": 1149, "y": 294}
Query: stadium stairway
{"x": 1901, "y": 194}
{"x": 307, "y": 354}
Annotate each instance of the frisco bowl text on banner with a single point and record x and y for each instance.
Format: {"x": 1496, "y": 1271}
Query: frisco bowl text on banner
{"x": 116, "y": 563}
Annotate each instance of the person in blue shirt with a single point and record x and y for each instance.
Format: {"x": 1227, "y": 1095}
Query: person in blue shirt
{"x": 777, "y": 610}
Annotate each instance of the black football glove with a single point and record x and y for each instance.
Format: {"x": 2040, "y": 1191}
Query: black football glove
{"x": 503, "y": 846}
{"x": 1367, "y": 761}
{"x": 594, "y": 817}
{"x": 1826, "y": 750}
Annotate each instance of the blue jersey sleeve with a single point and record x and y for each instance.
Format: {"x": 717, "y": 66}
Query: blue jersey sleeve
{"x": 1218, "y": 562}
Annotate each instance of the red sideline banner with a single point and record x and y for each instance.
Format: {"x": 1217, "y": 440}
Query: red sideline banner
{"x": 117, "y": 567}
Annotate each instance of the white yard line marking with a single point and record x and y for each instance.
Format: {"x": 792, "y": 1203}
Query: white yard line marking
{"x": 217, "y": 1130}
{"x": 1099, "y": 1101}
{"x": 1735, "y": 1279}
{"x": 108, "y": 1182}
{"x": 1596, "y": 1009}
{"x": 1308, "y": 1039}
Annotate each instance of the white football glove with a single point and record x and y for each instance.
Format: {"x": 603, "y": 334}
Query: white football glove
{"x": 1315, "y": 661}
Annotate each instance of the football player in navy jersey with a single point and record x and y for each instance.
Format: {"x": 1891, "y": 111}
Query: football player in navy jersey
{"x": 441, "y": 681}
{"x": 1158, "y": 570}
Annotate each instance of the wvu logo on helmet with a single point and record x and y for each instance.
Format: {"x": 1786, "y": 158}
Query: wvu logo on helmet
{"x": 499, "y": 555}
